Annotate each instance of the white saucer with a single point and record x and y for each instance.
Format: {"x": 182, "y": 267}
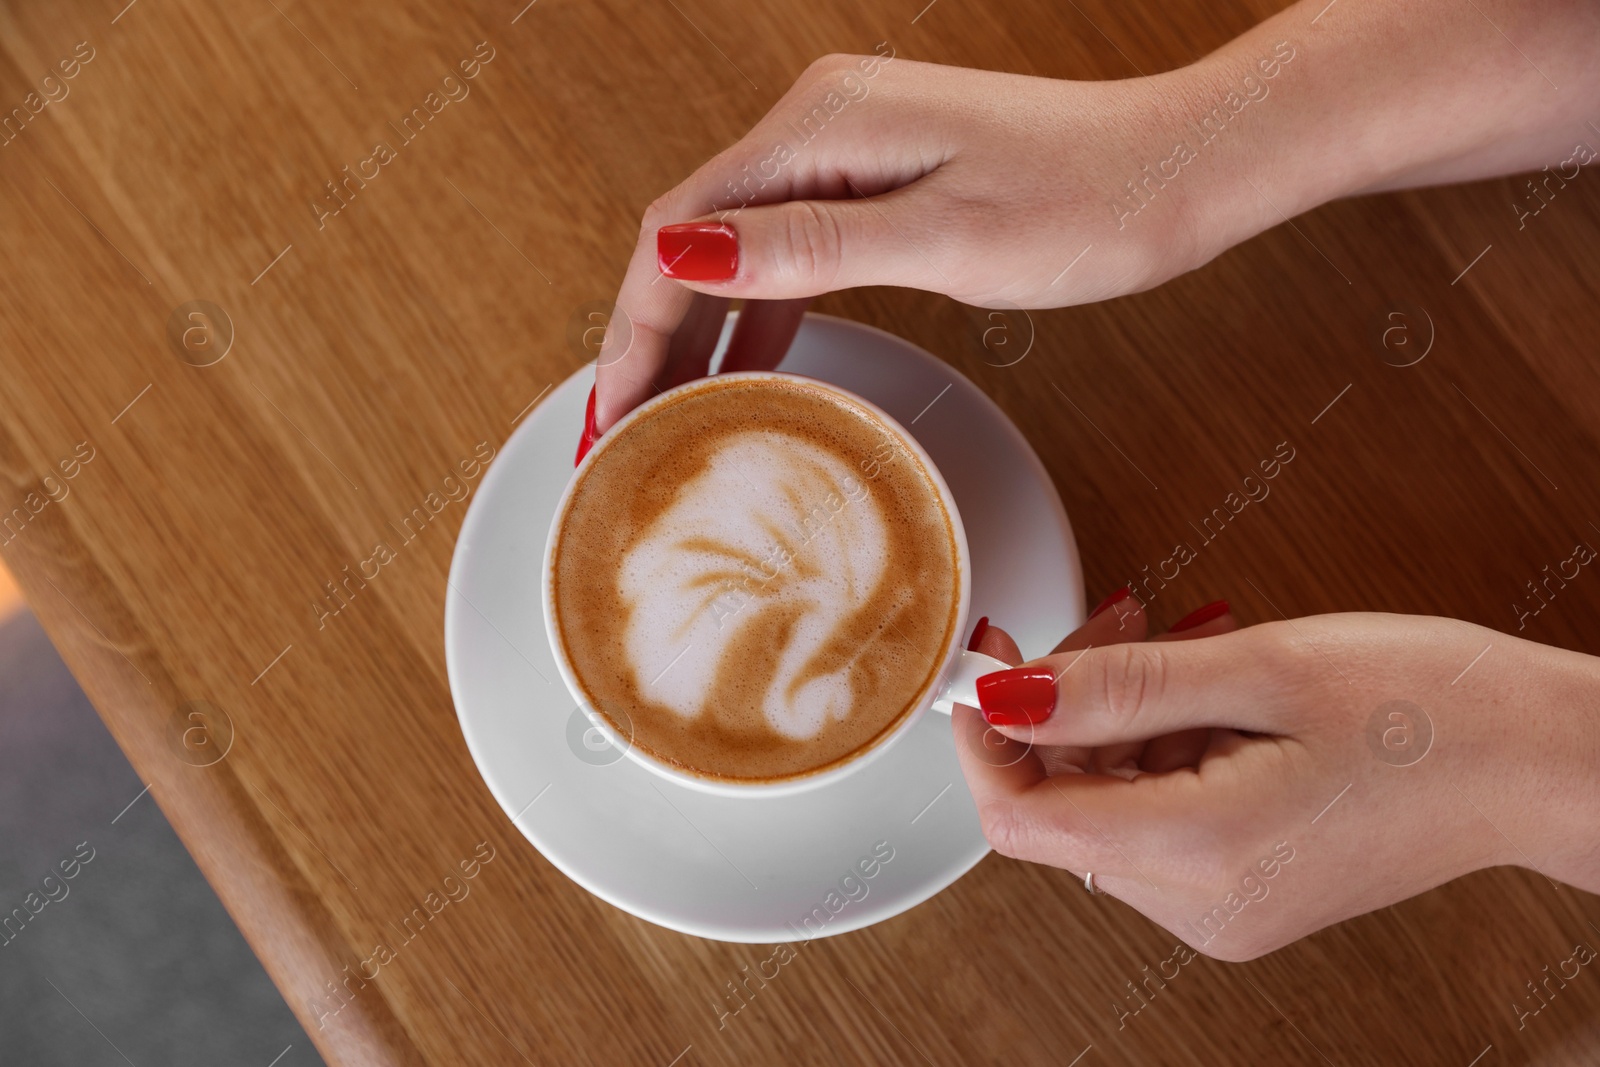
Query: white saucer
{"x": 747, "y": 870}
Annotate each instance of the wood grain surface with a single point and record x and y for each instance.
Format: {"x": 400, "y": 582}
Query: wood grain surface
{"x": 373, "y": 349}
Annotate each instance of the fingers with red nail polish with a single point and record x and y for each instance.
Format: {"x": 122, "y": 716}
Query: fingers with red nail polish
{"x": 587, "y": 439}
{"x": 1118, "y": 618}
{"x": 993, "y": 642}
{"x": 978, "y": 630}
{"x": 1200, "y": 616}
{"x": 1117, "y": 597}
{"x": 698, "y": 251}
{"x": 1018, "y": 696}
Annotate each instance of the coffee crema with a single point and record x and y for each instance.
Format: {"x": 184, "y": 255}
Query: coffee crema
{"x": 755, "y": 581}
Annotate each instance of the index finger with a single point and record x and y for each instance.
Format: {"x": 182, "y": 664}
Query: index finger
{"x": 649, "y": 310}
{"x": 1080, "y": 822}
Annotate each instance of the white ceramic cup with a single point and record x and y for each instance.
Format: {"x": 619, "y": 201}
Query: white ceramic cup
{"x": 954, "y": 682}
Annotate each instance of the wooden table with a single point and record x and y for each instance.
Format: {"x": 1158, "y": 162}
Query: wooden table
{"x": 373, "y": 347}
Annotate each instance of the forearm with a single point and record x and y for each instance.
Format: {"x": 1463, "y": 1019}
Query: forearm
{"x": 1385, "y": 95}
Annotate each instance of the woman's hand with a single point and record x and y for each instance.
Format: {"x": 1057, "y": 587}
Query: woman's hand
{"x": 882, "y": 171}
{"x": 1003, "y": 189}
{"x": 1247, "y": 787}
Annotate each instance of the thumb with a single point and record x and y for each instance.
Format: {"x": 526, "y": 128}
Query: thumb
{"x": 1135, "y": 692}
{"x": 803, "y": 248}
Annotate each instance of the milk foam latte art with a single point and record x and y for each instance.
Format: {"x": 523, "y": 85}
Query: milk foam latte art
{"x": 756, "y": 581}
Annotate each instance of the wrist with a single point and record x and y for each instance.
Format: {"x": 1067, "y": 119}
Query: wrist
{"x": 1557, "y": 737}
{"x": 1520, "y": 744}
{"x": 1393, "y": 97}
{"x": 1267, "y": 146}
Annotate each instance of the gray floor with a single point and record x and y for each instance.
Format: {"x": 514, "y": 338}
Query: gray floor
{"x": 132, "y": 960}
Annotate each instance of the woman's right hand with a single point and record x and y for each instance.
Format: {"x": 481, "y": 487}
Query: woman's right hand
{"x": 994, "y": 189}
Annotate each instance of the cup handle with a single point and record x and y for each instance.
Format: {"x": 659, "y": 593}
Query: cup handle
{"x": 960, "y": 684}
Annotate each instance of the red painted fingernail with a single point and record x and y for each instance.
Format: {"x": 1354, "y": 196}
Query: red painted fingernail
{"x": 1018, "y": 696}
{"x": 1200, "y": 616}
{"x": 1115, "y": 598}
{"x": 698, "y": 251}
{"x": 978, "y": 631}
{"x": 589, "y": 437}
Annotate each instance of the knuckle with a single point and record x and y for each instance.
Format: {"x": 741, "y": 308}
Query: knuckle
{"x": 1003, "y": 829}
{"x": 658, "y": 214}
{"x": 827, "y": 66}
{"x": 1229, "y": 949}
{"x": 1131, "y": 680}
{"x": 1278, "y": 658}
{"x": 814, "y": 243}
{"x": 1274, "y": 645}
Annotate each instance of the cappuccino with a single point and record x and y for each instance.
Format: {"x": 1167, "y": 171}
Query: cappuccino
{"x": 756, "y": 580}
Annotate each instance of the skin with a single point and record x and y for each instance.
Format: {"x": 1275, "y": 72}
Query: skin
{"x": 1173, "y": 767}
{"x": 984, "y": 187}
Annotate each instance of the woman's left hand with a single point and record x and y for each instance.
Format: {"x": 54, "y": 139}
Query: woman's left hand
{"x": 1246, "y": 787}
